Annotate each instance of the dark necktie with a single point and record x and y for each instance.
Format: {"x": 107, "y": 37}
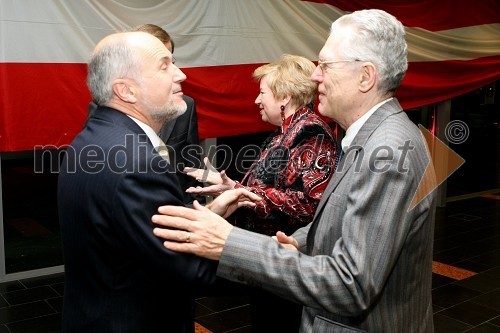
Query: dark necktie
{"x": 338, "y": 158}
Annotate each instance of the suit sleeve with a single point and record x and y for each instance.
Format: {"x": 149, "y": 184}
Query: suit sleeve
{"x": 300, "y": 236}
{"x": 349, "y": 273}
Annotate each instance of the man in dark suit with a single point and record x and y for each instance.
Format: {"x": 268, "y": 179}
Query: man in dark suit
{"x": 180, "y": 135}
{"x": 118, "y": 276}
{"x": 364, "y": 264}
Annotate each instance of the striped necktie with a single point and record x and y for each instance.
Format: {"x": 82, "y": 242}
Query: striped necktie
{"x": 338, "y": 158}
{"x": 163, "y": 151}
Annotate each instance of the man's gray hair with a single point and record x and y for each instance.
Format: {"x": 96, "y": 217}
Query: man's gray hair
{"x": 114, "y": 60}
{"x": 377, "y": 37}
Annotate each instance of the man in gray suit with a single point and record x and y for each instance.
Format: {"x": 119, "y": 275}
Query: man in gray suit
{"x": 365, "y": 262}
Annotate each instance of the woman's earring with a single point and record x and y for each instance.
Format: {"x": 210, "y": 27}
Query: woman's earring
{"x": 282, "y": 113}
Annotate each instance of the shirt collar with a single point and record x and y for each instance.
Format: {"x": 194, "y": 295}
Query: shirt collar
{"x": 152, "y": 136}
{"x": 353, "y": 130}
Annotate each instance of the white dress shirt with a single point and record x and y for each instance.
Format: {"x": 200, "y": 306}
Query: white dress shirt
{"x": 157, "y": 142}
{"x": 351, "y": 132}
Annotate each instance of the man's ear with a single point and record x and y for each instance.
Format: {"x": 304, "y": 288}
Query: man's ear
{"x": 367, "y": 77}
{"x": 125, "y": 90}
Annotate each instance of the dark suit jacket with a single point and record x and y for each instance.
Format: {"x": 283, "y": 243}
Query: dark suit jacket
{"x": 180, "y": 135}
{"x": 365, "y": 261}
{"x": 118, "y": 275}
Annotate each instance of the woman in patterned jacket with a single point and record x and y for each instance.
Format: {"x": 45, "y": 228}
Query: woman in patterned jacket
{"x": 295, "y": 165}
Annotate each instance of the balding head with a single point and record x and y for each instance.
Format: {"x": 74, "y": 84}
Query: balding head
{"x": 132, "y": 38}
{"x": 133, "y": 72}
{"x": 117, "y": 56}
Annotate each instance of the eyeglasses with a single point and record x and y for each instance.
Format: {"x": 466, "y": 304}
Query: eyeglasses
{"x": 323, "y": 67}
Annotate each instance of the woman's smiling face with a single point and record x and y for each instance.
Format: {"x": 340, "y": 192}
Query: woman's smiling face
{"x": 269, "y": 107}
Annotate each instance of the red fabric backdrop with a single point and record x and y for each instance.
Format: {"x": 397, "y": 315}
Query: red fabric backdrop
{"x": 46, "y": 103}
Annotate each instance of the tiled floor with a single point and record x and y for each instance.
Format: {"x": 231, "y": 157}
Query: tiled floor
{"x": 466, "y": 282}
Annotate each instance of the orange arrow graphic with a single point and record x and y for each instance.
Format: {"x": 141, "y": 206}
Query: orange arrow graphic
{"x": 444, "y": 162}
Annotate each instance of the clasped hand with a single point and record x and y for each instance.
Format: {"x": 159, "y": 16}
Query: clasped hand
{"x": 218, "y": 181}
{"x": 201, "y": 230}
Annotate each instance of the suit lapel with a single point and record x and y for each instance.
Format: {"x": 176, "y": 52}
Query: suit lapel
{"x": 357, "y": 144}
{"x": 166, "y": 130}
{"x": 345, "y": 164}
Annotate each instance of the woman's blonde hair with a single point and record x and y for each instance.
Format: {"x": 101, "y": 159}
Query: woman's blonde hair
{"x": 290, "y": 76}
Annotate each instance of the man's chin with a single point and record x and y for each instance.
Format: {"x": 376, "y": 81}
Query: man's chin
{"x": 181, "y": 108}
{"x": 321, "y": 109}
{"x": 176, "y": 110}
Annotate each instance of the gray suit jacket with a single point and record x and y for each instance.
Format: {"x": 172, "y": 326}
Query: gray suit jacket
{"x": 365, "y": 262}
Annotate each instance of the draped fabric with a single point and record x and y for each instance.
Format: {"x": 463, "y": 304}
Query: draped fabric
{"x": 454, "y": 47}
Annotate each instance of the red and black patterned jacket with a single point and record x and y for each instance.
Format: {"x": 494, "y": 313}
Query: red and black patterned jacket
{"x": 291, "y": 174}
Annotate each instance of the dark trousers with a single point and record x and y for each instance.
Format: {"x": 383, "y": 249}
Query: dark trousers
{"x": 271, "y": 313}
